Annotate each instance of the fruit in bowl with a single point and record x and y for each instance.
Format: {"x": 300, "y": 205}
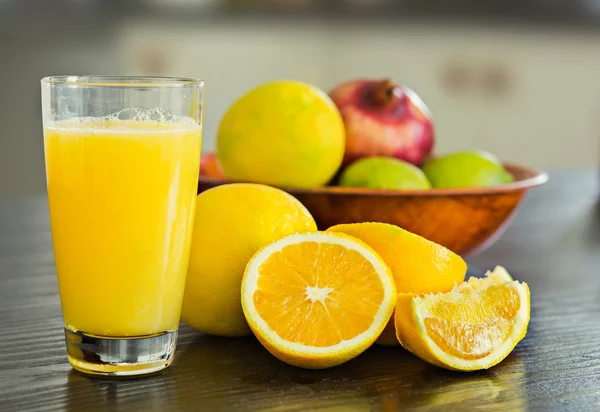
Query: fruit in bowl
{"x": 383, "y": 118}
{"x": 283, "y": 133}
{"x": 466, "y": 169}
{"x": 209, "y": 166}
{"x": 383, "y": 173}
{"x": 291, "y": 135}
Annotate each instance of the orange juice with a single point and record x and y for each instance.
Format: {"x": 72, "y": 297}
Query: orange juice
{"x": 122, "y": 195}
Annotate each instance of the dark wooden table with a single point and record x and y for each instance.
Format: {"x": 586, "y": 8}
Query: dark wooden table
{"x": 554, "y": 245}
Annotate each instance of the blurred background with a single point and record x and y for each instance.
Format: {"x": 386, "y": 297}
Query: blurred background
{"x": 519, "y": 78}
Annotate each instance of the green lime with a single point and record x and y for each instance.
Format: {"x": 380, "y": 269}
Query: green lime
{"x": 383, "y": 173}
{"x": 466, "y": 169}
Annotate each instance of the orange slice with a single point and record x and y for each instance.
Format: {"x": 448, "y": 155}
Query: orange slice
{"x": 418, "y": 265}
{"x": 475, "y": 326}
{"x": 316, "y": 300}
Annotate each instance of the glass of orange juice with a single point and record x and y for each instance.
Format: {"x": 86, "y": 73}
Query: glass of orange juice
{"x": 122, "y": 159}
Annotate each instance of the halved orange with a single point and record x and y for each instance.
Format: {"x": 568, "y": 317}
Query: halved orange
{"x": 418, "y": 265}
{"x": 316, "y": 300}
{"x": 475, "y": 326}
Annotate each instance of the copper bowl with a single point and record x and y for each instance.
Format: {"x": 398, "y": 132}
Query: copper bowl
{"x": 464, "y": 220}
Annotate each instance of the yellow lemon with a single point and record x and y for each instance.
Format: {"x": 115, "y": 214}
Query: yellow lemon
{"x": 316, "y": 300}
{"x": 284, "y": 133}
{"x": 474, "y": 326}
{"x": 418, "y": 265}
{"x": 232, "y": 222}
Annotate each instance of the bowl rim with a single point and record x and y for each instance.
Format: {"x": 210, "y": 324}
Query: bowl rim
{"x": 535, "y": 177}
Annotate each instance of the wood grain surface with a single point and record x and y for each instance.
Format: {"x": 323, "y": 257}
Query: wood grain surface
{"x": 553, "y": 244}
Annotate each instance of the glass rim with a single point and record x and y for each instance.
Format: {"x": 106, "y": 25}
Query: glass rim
{"x": 122, "y": 81}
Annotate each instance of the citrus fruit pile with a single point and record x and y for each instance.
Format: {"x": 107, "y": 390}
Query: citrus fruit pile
{"x": 366, "y": 133}
{"x": 316, "y": 299}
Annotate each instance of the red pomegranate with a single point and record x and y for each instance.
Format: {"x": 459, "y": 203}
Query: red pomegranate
{"x": 383, "y": 118}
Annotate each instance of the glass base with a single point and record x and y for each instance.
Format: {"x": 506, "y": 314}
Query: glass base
{"x": 120, "y": 357}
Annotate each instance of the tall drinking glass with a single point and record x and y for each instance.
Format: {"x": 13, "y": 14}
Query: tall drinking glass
{"x": 122, "y": 159}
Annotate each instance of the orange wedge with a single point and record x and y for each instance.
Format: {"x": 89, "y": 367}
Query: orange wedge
{"x": 316, "y": 300}
{"x": 474, "y": 326}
